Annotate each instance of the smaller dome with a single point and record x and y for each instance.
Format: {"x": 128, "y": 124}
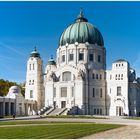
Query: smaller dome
{"x": 35, "y": 53}
{"x": 51, "y": 61}
{"x": 14, "y": 90}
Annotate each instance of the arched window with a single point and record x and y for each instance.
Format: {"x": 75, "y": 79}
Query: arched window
{"x": 33, "y": 82}
{"x": 66, "y": 76}
{"x": 30, "y": 67}
{"x": 33, "y": 67}
{"x": 96, "y": 76}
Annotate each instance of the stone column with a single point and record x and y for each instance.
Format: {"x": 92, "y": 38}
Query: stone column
{"x": 1, "y": 108}
{"x": 9, "y": 111}
{"x": 26, "y": 109}
{"x": 32, "y": 108}
{"x": 4, "y": 107}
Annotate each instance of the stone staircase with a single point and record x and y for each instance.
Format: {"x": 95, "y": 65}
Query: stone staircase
{"x": 73, "y": 111}
{"x": 43, "y": 110}
{"x": 57, "y": 111}
{"x": 49, "y": 111}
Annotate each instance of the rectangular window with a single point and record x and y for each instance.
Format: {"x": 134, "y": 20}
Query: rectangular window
{"x": 130, "y": 90}
{"x": 30, "y": 66}
{"x": 31, "y": 93}
{"x": 66, "y": 76}
{"x": 94, "y": 110}
{"x": 33, "y": 82}
{"x": 99, "y": 58}
{"x": 96, "y": 76}
{"x": 70, "y": 57}
{"x": 93, "y": 95}
{"x": 72, "y": 92}
{"x": 110, "y": 77}
{"x": 90, "y": 57}
{"x": 63, "y": 91}
{"x": 100, "y": 111}
{"x": 81, "y": 56}
{"x": 118, "y": 91}
{"x": 54, "y": 92}
{"x": 100, "y": 76}
{"x": 101, "y": 93}
{"x": 93, "y": 76}
{"x": 97, "y": 111}
{"x": 63, "y": 58}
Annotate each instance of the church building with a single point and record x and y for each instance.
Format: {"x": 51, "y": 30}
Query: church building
{"x": 78, "y": 81}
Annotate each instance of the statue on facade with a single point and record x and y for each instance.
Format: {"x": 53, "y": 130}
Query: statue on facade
{"x": 81, "y": 75}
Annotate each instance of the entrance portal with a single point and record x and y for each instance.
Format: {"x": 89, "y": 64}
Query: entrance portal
{"x": 119, "y": 111}
{"x": 63, "y": 104}
{"x": 54, "y": 104}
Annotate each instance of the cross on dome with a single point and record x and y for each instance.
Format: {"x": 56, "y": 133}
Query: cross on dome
{"x": 81, "y": 17}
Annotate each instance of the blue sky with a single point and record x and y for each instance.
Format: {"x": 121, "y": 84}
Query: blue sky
{"x": 24, "y": 25}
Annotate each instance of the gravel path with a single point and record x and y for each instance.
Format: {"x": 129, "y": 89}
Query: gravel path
{"x": 127, "y": 132}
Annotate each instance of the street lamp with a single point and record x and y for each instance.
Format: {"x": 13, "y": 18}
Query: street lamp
{"x": 76, "y": 44}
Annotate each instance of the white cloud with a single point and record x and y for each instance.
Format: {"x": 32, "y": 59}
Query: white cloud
{"x": 11, "y": 48}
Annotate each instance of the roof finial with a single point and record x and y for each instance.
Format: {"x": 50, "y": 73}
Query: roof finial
{"x": 81, "y": 13}
{"x": 35, "y": 49}
{"x": 51, "y": 56}
{"x": 81, "y": 17}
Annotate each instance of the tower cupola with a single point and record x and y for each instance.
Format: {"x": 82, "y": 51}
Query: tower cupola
{"x": 51, "y": 61}
{"x": 35, "y": 53}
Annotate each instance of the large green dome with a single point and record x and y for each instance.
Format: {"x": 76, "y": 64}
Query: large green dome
{"x": 81, "y": 31}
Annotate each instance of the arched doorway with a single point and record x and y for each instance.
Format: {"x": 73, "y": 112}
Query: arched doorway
{"x": 119, "y": 111}
{"x": 120, "y": 107}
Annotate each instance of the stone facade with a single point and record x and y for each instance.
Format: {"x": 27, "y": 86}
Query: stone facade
{"x": 78, "y": 81}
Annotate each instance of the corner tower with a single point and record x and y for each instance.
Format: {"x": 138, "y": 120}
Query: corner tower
{"x": 34, "y": 79}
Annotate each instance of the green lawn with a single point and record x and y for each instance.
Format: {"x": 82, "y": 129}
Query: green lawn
{"x": 18, "y": 122}
{"x": 53, "y": 130}
{"x": 76, "y": 116}
{"x": 133, "y": 118}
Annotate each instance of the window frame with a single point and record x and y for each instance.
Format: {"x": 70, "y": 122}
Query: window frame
{"x": 93, "y": 92}
{"x": 91, "y": 57}
{"x": 81, "y": 56}
{"x": 99, "y": 58}
{"x": 119, "y": 89}
{"x": 66, "y": 76}
{"x": 71, "y": 55}
{"x": 62, "y": 94}
{"x": 63, "y": 58}
{"x": 31, "y": 93}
